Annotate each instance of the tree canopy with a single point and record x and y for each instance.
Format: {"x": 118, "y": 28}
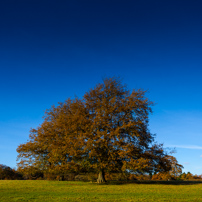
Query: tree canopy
{"x": 105, "y": 131}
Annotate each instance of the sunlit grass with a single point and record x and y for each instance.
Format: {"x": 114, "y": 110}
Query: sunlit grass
{"x": 85, "y": 191}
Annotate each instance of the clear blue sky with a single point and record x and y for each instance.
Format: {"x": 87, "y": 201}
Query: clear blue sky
{"x": 52, "y": 50}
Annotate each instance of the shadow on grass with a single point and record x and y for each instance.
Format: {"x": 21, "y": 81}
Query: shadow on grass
{"x": 172, "y": 182}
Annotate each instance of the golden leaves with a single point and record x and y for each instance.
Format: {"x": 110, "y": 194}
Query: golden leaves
{"x": 107, "y": 129}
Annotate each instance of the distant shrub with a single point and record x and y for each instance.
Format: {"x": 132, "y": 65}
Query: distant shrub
{"x": 189, "y": 176}
{"x": 7, "y": 173}
{"x": 31, "y": 173}
{"x": 139, "y": 177}
{"x": 81, "y": 177}
{"x": 165, "y": 176}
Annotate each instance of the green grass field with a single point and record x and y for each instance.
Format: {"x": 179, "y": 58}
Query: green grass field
{"x": 84, "y": 191}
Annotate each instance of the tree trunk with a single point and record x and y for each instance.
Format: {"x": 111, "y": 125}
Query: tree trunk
{"x": 101, "y": 177}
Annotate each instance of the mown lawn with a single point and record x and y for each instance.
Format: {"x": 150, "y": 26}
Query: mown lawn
{"x": 84, "y": 191}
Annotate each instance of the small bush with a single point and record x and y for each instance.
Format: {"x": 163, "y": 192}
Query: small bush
{"x": 7, "y": 173}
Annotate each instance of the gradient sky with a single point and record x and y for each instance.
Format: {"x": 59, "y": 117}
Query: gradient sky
{"x": 52, "y": 50}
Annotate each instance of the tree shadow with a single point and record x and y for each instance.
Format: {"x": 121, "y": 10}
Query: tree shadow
{"x": 171, "y": 182}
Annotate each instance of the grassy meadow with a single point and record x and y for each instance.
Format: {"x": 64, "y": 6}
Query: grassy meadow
{"x": 41, "y": 190}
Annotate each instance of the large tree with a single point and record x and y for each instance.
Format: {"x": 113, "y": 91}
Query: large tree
{"x": 106, "y": 131}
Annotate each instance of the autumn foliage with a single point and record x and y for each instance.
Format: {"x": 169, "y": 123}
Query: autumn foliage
{"x": 7, "y": 173}
{"x": 106, "y": 131}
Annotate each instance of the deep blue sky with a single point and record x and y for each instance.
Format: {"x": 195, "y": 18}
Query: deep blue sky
{"x": 52, "y": 50}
